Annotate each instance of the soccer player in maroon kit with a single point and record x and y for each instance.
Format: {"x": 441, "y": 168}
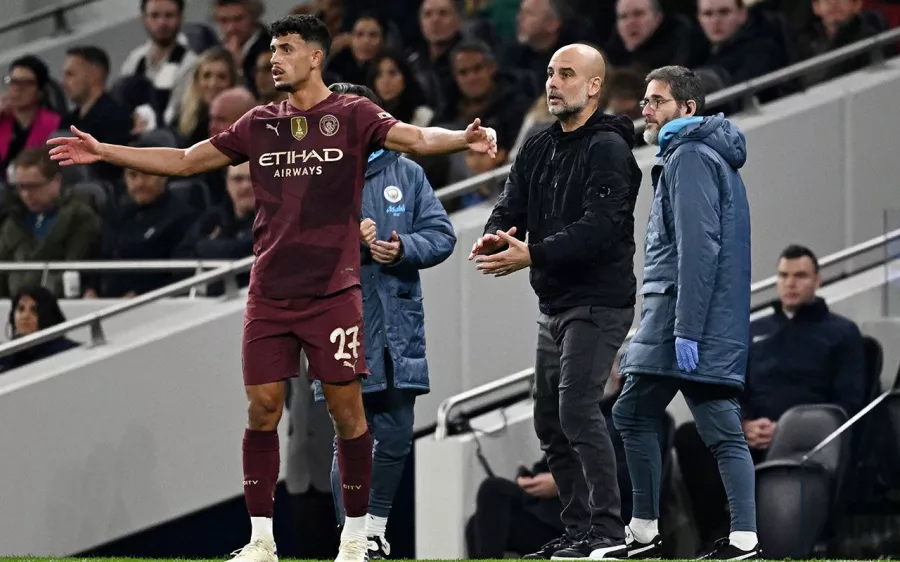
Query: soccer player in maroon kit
{"x": 307, "y": 158}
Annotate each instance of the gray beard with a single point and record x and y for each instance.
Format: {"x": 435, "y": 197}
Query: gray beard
{"x": 651, "y": 136}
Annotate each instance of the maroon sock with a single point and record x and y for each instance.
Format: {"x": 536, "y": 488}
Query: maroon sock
{"x": 355, "y": 465}
{"x": 260, "y": 471}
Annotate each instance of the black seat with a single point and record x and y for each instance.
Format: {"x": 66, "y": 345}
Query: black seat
{"x": 794, "y": 497}
{"x": 200, "y": 36}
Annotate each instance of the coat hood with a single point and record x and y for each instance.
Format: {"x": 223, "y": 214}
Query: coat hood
{"x": 599, "y": 121}
{"x": 382, "y": 160}
{"x": 716, "y": 132}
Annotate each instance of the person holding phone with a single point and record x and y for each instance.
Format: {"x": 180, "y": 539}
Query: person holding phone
{"x": 515, "y": 516}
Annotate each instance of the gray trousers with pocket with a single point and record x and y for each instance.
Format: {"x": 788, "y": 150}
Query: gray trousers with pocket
{"x": 575, "y": 352}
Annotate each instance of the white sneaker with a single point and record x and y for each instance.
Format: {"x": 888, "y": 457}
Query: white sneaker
{"x": 259, "y": 550}
{"x": 353, "y": 549}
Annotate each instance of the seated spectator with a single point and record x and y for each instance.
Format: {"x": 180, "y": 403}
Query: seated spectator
{"x": 645, "y": 38}
{"x": 244, "y": 35}
{"x": 85, "y": 72}
{"x": 742, "y": 44}
{"x": 540, "y": 32}
{"x": 523, "y": 517}
{"x": 225, "y": 232}
{"x": 441, "y": 25}
{"x": 265, "y": 85}
{"x": 43, "y": 223}
{"x": 215, "y": 73}
{"x": 391, "y": 77}
{"x": 34, "y": 308}
{"x": 149, "y": 225}
{"x": 224, "y": 111}
{"x": 801, "y": 354}
{"x": 494, "y": 96}
{"x": 837, "y": 23}
{"x": 368, "y": 39}
{"x": 536, "y": 120}
{"x": 165, "y": 59}
{"x": 624, "y": 90}
{"x": 515, "y": 516}
{"x": 25, "y": 119}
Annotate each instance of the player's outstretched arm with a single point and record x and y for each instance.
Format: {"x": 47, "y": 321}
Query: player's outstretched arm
{"x": 404, "y": 137}
{"x": 85, "y": 149}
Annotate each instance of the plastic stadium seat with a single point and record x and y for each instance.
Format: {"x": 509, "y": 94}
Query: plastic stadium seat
{"x": 94, "y": 193}
{"x": 192, "y": 191}
{"x": 200, "y": 36}
{"x": 794, "y": 499}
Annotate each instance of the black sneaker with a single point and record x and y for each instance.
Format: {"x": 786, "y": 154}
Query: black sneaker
{"x": 379, "y": 549}
{"x": 549, "y": 549}
{"x": 724, "y": 550}
{"x": 643, "y": 550}
{"x": 593, "y": 547}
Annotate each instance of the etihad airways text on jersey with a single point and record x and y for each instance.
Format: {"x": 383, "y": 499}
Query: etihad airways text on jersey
{"x": 292, "y": 157}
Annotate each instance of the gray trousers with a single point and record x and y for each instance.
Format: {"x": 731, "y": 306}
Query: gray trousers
{"x": 638, "y": 414}
{"x": 575, "y": 352}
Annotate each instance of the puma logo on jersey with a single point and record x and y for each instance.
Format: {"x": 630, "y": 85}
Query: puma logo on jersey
{"x": 349, "y": 364}
{"x": 274, "y": 128}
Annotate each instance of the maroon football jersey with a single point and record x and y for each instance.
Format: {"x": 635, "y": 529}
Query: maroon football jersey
{"x": 308, "y": 172}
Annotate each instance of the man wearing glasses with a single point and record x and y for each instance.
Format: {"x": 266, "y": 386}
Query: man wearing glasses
{"x": 695, "y": 318}
{"x": 43, "y": 223}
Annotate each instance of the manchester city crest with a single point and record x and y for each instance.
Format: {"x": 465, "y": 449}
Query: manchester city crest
{"x": 299, "y": 127}
{"x": 329, "y": 125}
{"x": 393, "y": 194}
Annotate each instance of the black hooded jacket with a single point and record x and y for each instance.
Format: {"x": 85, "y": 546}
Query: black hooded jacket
{"x": 574, "y": 194}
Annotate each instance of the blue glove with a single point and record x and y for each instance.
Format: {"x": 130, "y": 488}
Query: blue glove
{"x": 686, "y": 354}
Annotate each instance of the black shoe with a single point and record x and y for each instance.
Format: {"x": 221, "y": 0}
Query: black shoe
{"x": 549, "y": 549}
{"x": 724, "y": 550}
{"x": 593, "y": 547}
{"x": 643, "y": 550}
{"x": 379, "y": 549}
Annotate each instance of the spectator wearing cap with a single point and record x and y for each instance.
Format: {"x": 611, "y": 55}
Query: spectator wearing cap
{"x": 43, "y": 222}
{"x": 85, "y": 73}
{"x": 148, "y": 225}
{"x": 25, "y": 119}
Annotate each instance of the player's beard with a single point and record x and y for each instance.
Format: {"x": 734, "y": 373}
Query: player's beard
{"x": 288, "y": 87}
{"x": 651, "y": 135}
{"x": 570, "y": 108}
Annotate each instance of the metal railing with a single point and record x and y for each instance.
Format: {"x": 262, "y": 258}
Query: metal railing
{"x": 450, "y": 404}
{"x": 57, "y": 13}
{"x": 119, "y": 266}
{"x": 745, "y": 90}
{"x": 93, "y": 321}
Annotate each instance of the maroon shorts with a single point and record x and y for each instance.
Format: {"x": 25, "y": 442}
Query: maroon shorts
{"x": 329, "y": 329}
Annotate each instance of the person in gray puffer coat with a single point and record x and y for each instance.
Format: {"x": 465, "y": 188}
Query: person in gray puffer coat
{"x": 694, "y": 333}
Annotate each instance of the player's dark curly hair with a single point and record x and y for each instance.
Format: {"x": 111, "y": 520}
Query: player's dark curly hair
{"x": 355, "y": 90}
{"x": 310, "y": 28}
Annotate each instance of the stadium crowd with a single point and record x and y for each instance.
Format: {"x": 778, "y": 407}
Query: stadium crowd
{"x": 440, "y": 62}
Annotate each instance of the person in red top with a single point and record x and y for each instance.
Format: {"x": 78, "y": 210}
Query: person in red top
{"x": 307, "y": 158}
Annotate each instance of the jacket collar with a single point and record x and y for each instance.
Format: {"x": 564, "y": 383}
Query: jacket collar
{"x": 814, "y": 311}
